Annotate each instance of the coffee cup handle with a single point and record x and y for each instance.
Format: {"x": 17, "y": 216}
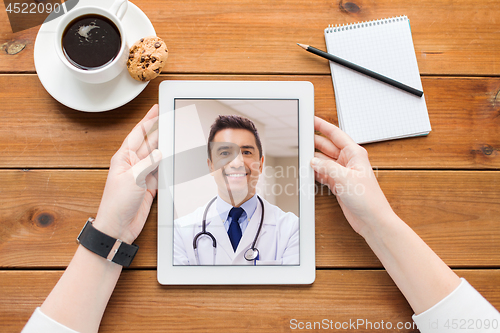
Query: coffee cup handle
{"x": 119, "y": 8}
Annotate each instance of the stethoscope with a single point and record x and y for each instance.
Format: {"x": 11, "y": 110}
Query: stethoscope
{"x": 251, "y": 254}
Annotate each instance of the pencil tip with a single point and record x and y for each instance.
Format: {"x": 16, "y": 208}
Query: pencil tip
{"x": 303, "y": 46}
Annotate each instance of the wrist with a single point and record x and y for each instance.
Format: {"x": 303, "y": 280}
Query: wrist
{"x": 111, "y": 228}
{"x": 83, "y": 252}
{"x": 379, "y": 223}
{"x": 106, "y": 246}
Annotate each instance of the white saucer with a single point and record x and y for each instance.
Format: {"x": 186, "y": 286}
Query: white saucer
{"x": 76, "y": 94}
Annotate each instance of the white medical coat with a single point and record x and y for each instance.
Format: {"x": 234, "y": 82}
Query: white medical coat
{"x": 278, "y": 241}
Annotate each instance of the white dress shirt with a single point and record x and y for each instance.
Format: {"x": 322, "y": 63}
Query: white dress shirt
{"x": 248, "y": 206}
{"x": 464, "y": 310}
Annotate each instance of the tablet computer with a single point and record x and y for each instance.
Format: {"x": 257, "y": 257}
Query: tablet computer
{"x": 236, "y": 190}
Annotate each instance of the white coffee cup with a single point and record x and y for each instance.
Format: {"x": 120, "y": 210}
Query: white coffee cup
{"x": 109, "y": 71}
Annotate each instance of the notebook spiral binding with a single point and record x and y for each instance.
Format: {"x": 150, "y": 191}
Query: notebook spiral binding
{"x": 364, "y": 24}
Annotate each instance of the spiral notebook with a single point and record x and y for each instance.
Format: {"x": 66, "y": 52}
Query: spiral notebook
{"x": 370, "y": 110}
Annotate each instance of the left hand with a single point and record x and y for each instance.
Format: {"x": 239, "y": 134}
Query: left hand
{"x": 131, "y": 184}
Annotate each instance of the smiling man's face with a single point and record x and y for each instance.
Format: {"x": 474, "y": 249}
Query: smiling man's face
{"x": 235, "y": 165}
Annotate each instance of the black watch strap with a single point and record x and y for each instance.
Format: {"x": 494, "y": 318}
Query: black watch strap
{"x": 106, "y": 246}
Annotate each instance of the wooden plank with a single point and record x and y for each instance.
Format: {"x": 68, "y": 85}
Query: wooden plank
{"x": 140, "y": 304}
{"x": 455, "y": 212}
{"x": 235, "y": 36}
{"x": 38, "y": 132}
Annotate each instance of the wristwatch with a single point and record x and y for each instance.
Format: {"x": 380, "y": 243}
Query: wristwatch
{"x": 112, "y": 249}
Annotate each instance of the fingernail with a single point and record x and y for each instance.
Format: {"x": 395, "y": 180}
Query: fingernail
{"x": 156, "y": 154}
{"x": 315, "y": 161}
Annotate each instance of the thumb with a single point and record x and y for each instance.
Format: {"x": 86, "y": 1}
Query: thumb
{"x": 328, "y": 168}
{"x": 144, "y": 167}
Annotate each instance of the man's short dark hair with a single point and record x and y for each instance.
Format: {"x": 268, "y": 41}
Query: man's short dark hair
{"x": 233, "y": 122}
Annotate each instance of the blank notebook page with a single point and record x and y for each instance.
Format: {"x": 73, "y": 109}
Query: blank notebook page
{"x": 368, "y": 109}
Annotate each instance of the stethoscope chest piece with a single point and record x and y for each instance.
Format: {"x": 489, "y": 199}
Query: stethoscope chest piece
{"x": 251, "y": 254}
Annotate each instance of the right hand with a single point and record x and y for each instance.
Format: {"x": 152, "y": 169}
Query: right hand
{"x": 343, "y": 165}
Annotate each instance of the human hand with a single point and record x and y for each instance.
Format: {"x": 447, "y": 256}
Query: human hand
{"x": 131, "y": 184}
{"x": 343, "y": 165}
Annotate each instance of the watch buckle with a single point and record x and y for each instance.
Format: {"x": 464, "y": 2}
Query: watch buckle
{"x": 90, "y": 220}
{"x": 114, "y": 250}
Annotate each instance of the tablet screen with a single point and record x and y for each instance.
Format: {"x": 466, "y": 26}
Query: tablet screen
{"x": 236, "y": 182}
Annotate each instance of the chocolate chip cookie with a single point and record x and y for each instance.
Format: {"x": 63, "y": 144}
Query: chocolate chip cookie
{"x": 147, "y": 58}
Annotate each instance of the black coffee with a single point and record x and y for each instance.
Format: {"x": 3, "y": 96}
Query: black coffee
{"x": 91, "y": 41}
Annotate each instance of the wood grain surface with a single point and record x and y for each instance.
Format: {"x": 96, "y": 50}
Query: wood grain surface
{"x": 248, "y": 36}
{"x": 446, "y": 186}
{"x": 38, "y": 132}
{"x": 140, "y": 304}
{"x": 455, "y": 212}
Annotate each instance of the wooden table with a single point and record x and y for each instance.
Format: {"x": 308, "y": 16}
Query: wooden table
{"x": 54, "y": 161}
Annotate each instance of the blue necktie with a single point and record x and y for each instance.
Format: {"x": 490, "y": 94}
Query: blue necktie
{"x": 234, "y": 231}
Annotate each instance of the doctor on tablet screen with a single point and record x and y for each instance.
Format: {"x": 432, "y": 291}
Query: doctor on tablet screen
{"x": 236, "y": 227}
